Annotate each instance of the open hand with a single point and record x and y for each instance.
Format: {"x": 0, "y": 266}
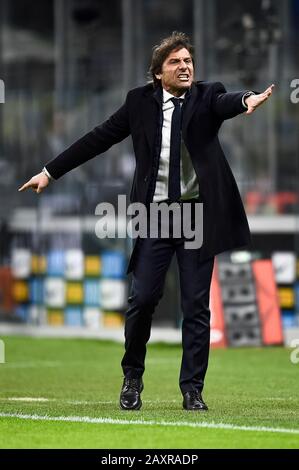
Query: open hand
{"x": 254, "y": 101}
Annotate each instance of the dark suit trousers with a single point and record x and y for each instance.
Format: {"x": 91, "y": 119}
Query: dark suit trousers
{"x": 152, "y": 261}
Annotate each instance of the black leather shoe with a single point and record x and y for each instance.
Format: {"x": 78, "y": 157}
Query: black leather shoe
{"x": 130, "y": 394}
{"x": 193, "y": 401}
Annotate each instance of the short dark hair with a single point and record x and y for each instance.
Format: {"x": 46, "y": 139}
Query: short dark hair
{"x": 161, "y": 51}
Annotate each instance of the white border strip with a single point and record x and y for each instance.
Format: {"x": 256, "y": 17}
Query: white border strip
{"x": 203, "y": 424}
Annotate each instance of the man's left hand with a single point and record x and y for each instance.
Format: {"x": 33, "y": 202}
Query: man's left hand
{"x": 254, "y": 101}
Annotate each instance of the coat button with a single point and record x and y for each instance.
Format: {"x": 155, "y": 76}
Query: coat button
{"x": 145, "y": 179}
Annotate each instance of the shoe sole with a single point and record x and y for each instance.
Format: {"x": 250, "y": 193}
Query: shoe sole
{"x": 195, "y": 409}
{"x": 131, "y": 409}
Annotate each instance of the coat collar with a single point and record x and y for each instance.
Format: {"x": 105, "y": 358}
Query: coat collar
{"x": 153, "y": 105}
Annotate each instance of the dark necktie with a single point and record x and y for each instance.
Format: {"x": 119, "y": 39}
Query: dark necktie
{"x": 174, "y": 181}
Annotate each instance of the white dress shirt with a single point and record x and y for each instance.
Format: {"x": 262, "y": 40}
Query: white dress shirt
{"x": 189, "y": 182}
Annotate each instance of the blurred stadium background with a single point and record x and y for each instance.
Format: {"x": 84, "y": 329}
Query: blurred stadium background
{"x": 66, "y": 66}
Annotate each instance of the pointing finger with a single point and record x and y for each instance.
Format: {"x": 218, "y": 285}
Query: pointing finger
{"x": 29, "y": 184}
{"x": 270, "y": 88}
{"x": 25, "y": 186}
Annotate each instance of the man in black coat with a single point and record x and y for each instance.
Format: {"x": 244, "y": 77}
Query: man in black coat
{"x": 174, "y": 124}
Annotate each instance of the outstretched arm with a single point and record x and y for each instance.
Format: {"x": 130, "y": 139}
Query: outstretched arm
{"x": 227, "y": 105}
{"x": 100, "y": 139}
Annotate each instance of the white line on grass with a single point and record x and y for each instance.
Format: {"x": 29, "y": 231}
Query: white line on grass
{"x": 102, "y": 402}
{"x": 32, "y": 364}
{"x": 30, "y": 399}
{"x": 46, "y": 400}
{"x": 74, "y": 402}
{"x": 203, "y": 424}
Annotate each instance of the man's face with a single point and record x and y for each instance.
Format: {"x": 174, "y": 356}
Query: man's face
{"x": 177, "y": 72}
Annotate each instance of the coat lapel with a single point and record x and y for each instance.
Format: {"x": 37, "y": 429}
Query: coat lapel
{"x": 189, "y": 108}
{"x": 150, "y": 115}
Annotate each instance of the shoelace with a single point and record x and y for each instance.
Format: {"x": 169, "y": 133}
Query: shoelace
{"x": 194, "y": 394}
{"x": 134, "y": 384}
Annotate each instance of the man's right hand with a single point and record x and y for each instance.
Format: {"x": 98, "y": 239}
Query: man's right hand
{"x": 38, "y": 183}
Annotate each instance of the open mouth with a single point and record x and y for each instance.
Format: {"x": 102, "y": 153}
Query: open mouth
{"x": 183, "y": 77}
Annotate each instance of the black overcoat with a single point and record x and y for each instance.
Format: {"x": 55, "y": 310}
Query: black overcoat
{"x": 224, "y": 220}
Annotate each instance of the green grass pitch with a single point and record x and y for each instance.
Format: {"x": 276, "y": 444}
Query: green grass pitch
{"x": 63, "y": 393}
